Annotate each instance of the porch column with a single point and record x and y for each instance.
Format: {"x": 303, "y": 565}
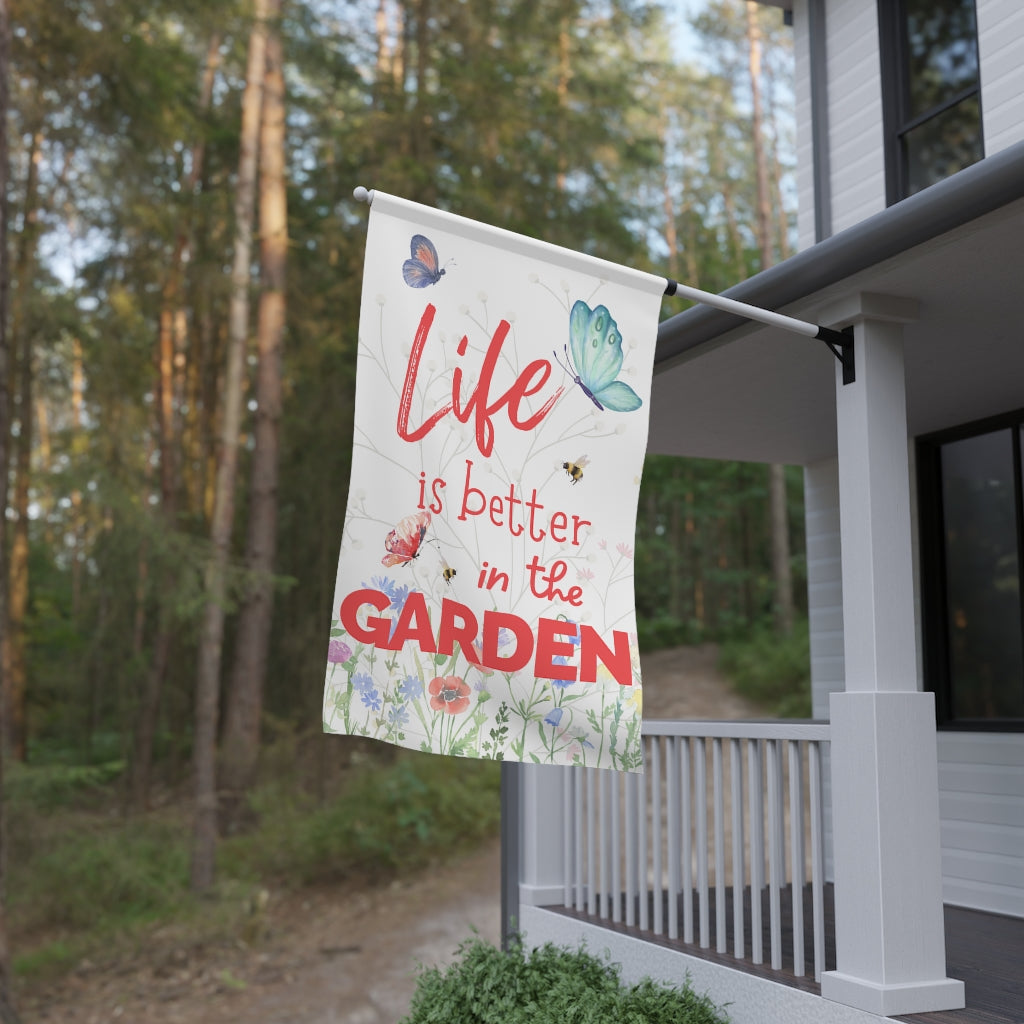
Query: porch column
{"x": 890, "y": 944}
{"x": 542, "y": 821}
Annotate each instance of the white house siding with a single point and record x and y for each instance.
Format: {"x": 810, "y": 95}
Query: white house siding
{"x": 855, "y": 111}
{"x": 981, "y": 801}
{"x": 1000, "y": 35}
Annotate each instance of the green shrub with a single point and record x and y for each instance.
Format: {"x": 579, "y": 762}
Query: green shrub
{"x": 388, "y": 818}
{"x": 56, "y": 785}
{"x": 772, "y": 670}
{"x": 99, "y": 878}
{"x": 96, "y": 877}
{"x": 549, "y": 985}
{"x": 664, "y": 630}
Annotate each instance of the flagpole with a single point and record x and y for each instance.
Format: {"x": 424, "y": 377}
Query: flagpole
{"x": 840, "y": 343}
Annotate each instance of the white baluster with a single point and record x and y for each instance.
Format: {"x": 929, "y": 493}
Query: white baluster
{"x": 672, "y": 798}
{"x": 797, "y": 851}
{"x": 738, "y": 868}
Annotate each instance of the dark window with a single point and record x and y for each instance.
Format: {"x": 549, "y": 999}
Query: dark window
{"x": 972, "y": 528}
{"x": 932, "y": 99}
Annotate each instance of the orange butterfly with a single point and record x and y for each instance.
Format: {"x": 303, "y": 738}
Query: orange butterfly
{"x": 403, "y": 542}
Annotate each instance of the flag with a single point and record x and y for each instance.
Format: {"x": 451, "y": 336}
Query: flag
{"x": 484, "y": 599}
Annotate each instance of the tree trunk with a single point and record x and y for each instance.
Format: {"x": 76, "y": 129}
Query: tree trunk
{"x": 7, "y": 1011}
{"x": 204, "y": 840}
{"x": 422, "y": 125}
{"x": 669, "y": 209}
{"x": 240, "y": 743}
{"x": 781, "y": 571}
{"x": 17, "y": 599}
{"x": 169, "y": 431}
{"x": 779, "y": 518}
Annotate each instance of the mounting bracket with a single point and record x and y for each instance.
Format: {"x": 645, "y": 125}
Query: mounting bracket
{"x": 839, "y": 342}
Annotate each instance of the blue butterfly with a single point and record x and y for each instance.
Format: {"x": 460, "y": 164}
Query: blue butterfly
{"x": 422, "y": 269}
{"x": 597, "y": 358}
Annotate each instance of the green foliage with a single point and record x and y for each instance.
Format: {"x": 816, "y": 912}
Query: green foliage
{"x": 549, "y": 985}
{"x": 773, "y": 670}
{"x": 663, "y": 630}
{"x": 56, "y": 785}
{"x": 95, "y": 875}
{"x": 100, "y": 877}
{"x": 703, "y": 556}
{"x": 387, "y": 819}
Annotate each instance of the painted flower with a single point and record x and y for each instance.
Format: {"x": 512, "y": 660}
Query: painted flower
{"x": 624, "y": 549}
{"x": 602, "y": 544}
{"x": 398, "y": 715}
{"x": 554, "y": 717}
{"x": 575, "y": 751}
{"x": 370, "y": 699}
{"x": 338, "y": 652}
{"x": 475, "y": 656}
{"x": 410, "y": 688}
{"x": 362, "y": 682}
{"x": 584, "y": 574}
{"x": 634, "y": 695}
{"x": 397, "y": 593}
{"x": 448, "y": 693}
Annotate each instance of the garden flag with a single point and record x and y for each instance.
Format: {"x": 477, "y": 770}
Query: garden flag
{"x": 484, "y": 597}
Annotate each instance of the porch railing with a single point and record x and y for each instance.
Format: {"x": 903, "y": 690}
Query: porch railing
{"x": 698, "y": 844}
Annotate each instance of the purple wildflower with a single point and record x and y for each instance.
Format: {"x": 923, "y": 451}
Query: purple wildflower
{"x": 338, "y": 652}
{"x": 410, "y": 688}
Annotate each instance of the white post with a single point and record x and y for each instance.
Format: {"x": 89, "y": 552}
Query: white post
{"x": 542, "y": 875}
{"x": 890, "y": 945}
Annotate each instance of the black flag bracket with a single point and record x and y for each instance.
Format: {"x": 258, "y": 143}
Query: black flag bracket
{"x": 840, "y": 343}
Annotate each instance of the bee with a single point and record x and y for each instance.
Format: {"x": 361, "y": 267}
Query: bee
{"x": 447, "y": 572}
{"x": 575, "y": 469}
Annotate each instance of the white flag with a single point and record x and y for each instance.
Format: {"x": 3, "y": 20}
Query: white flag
{"x": 484, "y": 599}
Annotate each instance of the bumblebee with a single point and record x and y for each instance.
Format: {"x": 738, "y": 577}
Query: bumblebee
{"x": 575, "y": 469}
{"x": 447, "y": 572}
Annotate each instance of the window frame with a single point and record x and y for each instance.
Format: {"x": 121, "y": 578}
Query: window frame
{"x": 932, "y": 570}
{"x": 896, "y": 123}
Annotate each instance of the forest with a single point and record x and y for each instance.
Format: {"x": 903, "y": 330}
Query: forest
{"x": 179, "y": 296}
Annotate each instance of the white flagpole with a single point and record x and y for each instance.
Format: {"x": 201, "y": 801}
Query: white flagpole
{"x": 839, "y": 342}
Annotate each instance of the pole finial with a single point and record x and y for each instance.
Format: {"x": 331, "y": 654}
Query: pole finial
{"x": 362, "y": 195}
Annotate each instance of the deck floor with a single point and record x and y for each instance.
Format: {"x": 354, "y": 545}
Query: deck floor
{"x": 985, "y": 951}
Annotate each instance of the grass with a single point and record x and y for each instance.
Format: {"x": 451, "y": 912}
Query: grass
{"x": 86, "y": 878}
{"x": 550, "y": 985}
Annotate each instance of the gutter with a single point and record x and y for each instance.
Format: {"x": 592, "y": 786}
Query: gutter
{"x": 975, "y": 191}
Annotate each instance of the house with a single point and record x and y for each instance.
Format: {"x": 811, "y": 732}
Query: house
{"x": 829, "y": 871}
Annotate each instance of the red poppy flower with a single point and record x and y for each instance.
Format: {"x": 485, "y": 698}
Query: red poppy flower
{"x": 448, "y": 693}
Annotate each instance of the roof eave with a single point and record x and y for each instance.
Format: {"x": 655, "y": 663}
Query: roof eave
{"x": 971, "y": 193}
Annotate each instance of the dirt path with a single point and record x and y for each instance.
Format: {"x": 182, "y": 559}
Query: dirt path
{"x": 337, "y": 956}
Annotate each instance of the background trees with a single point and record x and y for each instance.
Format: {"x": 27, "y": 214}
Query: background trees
{"x": 143, "y": 569}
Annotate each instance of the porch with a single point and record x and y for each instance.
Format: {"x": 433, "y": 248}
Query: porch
{"x": 716, "y": 864}
{"x": 983, "y": 950}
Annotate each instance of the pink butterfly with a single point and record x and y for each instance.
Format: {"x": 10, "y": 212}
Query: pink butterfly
{"x": 403, "y": 542}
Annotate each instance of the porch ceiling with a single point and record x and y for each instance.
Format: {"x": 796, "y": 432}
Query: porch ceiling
{"x": 759, "y": 394}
